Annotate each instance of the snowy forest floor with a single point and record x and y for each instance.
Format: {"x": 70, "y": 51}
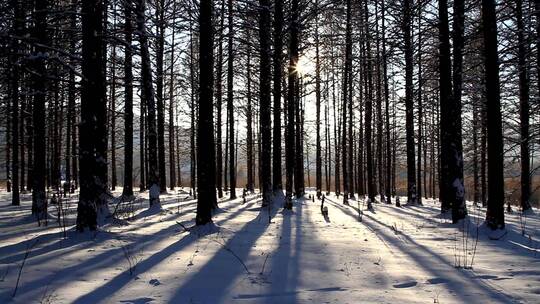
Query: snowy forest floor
{"x": 388, "y": 255}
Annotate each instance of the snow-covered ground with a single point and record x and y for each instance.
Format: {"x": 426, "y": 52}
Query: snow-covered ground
{"x": 389, "y": 255}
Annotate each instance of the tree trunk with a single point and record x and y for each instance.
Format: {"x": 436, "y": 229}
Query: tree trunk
{"x": 70, "y": 128}
{"x": 172, "y": 151}
{"x": 264, "y": 99}
{"x": 318, "y": 157}
{"x": 368, "y": 111}
{"x": 380, "y": 161}
{"x": 291, "y": 91}
{"x": 409, "y": 104}
{"x": 249, "y": 120}
{"x": 128, "y": 102}
{"x": 495, "y": 157}
{"x": 205, "y": 127}
{"x": 39, "y": 83}
{"x": 92, "y": 99}
{"x": 160, "y": 12}
{"x": 15, "y": 78}
{"x": 219, "y": 102}
{"x": 345, "y": 92}
{"x": 147, "y": 90}
{"x": 523, "y": 109}
{"x": 420, "y": 109}
{"x": 387, "y": 109}
{"x": 193, "y": 155}
{"x": 457, "y": 186}
{"x": 112, "y": 113}
{"x": 230, "y": 101}
{"x": 277, "y": 77}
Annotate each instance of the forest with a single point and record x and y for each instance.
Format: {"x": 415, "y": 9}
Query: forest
{"x": 295, "y": 151}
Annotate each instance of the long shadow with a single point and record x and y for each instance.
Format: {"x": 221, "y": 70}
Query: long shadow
{"x": 214, "y": 279}
{"x": 103, "y": 292}
{"x": 511, "y": 228}
{"x": 408, "y": 211}
{"x": 284, "y": 268}
{"x": 60, "y": 245}
{"x": 107, "y": 258}
{"x": 426, "y": 264}
{"x": 382, "y": 229}
{"x": 54, "y": 242}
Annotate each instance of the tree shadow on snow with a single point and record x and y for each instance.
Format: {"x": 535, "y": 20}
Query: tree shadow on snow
{"x": 118, "y": 282}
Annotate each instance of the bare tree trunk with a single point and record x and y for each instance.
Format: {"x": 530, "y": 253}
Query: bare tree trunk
{"x": 142, "y": 138}
{"x": 264, "y": 99}
{"x": 457, "y": 186}
{"x": 70, "y": 126}
{"x": 369, "y": 111}
{"x": 379, "y": 97}
{"x": 148, "y": 96}
{"x": 346, "y": 78}
{"x": 409, "y": 105}
{"x": 205, "y": 127}
{"x": 290, "y": 164}
{"x": 92, "y": 100}
{"x": 495, "y": 209}
{"x": 219, "y": 102}
{"x": 160, "y": 20}
{"x": 387, "y": 109}
{"x": 318, "y": 157}
{"x": 523, "y": 109}
{"x": 420, "y": 108}
{"x": 193, "y": 155}
{"x": 14, "y": 95}
{"x": 230, "y": 101}
{"x": 128, "y": 102}
{"x": 112, "y": 114}
{"x": 39, "y": 84}
{"x": 277, "y": 78}
{"x": 476, "y": 178}
{"x": 172, "y": 151}
{"x": 249, "y": 121}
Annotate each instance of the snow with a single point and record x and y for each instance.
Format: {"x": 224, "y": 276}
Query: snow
{"x": 388, "y": 255}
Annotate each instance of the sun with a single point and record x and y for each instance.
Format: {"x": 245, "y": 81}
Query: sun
{"x": 303, "y": 66}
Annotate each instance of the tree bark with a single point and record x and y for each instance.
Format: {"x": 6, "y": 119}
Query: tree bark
{"x": 147, "y": 90}
{"x": 369, "y": 111}
{"x": 205, "y": 127}
{"x": 495, "y": 157}
{"x": 128, "y": 102}
{"x": 409, "y": 104}
{"x": 277, "y": 78}
{"x": 15, "y": 78}
{"x": 318, "y": 157}
{"x": 291, "y": 91}
{"x": 219, "y": 102}
{"x": 230, "y": 101}
{"x": 457, "y": 185}
{"x": 250, "y": 186}
{"x": 264, "y": 98}
{"x": 523, "y": 109}
{"x": 92, "y": 99}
